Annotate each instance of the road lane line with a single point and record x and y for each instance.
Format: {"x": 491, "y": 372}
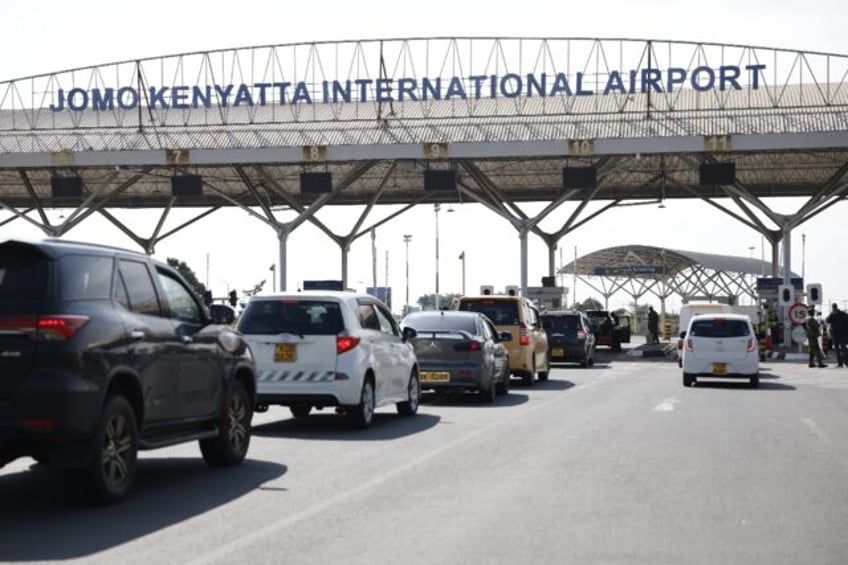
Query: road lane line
{"x": 223, "y": 552}
{"x": 816, "y": 430}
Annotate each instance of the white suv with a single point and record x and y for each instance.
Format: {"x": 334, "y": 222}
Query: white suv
{"x": 720, "y": 346}
{"x": 324, "y": 348}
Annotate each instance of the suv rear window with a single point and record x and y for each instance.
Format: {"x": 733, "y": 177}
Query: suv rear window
{"x": 306, "y": 317}
{"x": 23, "y": 277}
{"x": 719, "y": 327}
{"x": 85, "y": 277}
{"x": 501, "y": 313}
{"x": 560, "y": 323}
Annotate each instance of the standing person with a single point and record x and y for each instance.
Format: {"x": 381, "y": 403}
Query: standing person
{"x": 813, "y": 329}
{"x": 838, "y": 322}
{"x": 653, "y": 326}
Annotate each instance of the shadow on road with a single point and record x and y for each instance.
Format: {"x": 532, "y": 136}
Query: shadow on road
{"x": 42, "y": 517}
{"x": 473, "y": 401}
{"x": 744, "y": 385}
{"x": 327, "y": 425}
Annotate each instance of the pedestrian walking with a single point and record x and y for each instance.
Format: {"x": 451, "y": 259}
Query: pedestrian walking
{"x": 813, "y": 329}
{"x": 838, "y": 322}
{"x": 653, "y": 326}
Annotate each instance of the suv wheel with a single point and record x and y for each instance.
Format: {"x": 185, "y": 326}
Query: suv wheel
{"x": 410, "y": 406}
{"x": 115, "y": 453}
{"x": 300, "y": 410}
{"x": 230, "y": 445}
{"x": 543, "y": 375}
{"x": 361, "y": 415}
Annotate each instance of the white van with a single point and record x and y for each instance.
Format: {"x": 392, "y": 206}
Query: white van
{"x": 691, "y": 309}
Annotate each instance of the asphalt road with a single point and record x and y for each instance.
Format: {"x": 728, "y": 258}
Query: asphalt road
{"x": 613, "y": 464}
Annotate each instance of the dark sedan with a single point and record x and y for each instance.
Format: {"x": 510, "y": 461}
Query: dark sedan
{"x": 570, "y": 338}
{"x": 460, "y": 351}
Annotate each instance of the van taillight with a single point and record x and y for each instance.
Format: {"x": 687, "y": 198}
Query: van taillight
{"x": 345, "y": 343}
{"x": 45, "y": 328}
{"x": 523, "y": 335}
{"x": 751, "y": 345}
{"x": 688, "y": 345}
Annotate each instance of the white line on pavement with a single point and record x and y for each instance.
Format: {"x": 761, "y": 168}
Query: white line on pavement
{"x": 816, "y": 430}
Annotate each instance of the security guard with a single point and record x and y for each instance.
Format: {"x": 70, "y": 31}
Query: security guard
{"x": 813, "y": 328}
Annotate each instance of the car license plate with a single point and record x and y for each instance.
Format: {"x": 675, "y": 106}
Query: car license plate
{"x": 435, "y": 376}
{"x": 557, "y": 352}
{"x": 719, "y": 368}
{"x": 285, "y": 352}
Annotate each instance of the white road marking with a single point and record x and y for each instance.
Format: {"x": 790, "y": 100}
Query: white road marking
{"x": 816, "y": 430}
{"x": 667, "y": 405}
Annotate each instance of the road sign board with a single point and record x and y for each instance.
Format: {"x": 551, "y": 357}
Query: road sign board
{"x": 798, "y": 313}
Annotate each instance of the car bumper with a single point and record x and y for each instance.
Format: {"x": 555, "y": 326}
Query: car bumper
{"x": 568, "y": 353}
{"x": 321, "y": 389}
{"x": 452, "y": 378}
{"x": 740, "y": 369}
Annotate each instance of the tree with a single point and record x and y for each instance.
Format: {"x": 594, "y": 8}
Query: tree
{"x": 428, "y": 301}
{"x": 188, "y": 274}
{"x": 589, "y": 304}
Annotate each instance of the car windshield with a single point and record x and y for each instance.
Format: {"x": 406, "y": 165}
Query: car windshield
{"x": 306, "y": 317}
{"x": 422, "y": 322}
{"x": 719, "y": 327}
{"x": 501, "y": 313}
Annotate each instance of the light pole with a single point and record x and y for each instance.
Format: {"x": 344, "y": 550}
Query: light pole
{"x": 803, "y": 254}
{"x": 406, "y": 239}
{"x": 462, "y": 258}
{"x": 436, "y": 208}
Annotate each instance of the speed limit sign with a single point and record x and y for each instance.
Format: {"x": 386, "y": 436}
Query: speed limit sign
{"x": 798, "y": 313}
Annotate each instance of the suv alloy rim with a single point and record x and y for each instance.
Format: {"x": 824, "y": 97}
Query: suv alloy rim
{"x": 237, "y": 415}
{"x": 117, "y": 450}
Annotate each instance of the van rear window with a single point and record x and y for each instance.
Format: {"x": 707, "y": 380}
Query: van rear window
{"x": 501, "y": 313}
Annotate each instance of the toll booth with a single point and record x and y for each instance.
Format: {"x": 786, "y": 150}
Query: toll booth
{"x": 548, "y": 297}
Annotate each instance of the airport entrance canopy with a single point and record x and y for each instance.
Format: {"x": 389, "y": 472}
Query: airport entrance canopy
{"x": 497, "y": 121}
{"x": 640, "y": 269}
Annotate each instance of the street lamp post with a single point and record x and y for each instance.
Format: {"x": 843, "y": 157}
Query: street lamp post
{"x": 436, "y": 208}
{"x": 462, "y": 258}
{"x": 406, "y": 239}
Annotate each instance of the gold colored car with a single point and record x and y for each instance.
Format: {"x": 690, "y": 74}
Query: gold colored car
{"x": 528, "y": 350}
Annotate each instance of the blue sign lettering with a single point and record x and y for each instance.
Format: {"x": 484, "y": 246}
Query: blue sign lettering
{"x": 509, "y": 85}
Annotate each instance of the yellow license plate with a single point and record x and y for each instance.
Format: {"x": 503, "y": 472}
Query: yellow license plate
{"x": 285, "y": 352}
{"x": 435, "y": 376}
{"x": 719, "y": 368}
{"x": 557, "y": 352}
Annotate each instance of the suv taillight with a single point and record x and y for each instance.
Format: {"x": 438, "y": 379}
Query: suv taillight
{"x": 345, "y": 343}
{"x": 45, "y": 328}
{"x": 581, "y": 333}
{"x": 523, "y": 335}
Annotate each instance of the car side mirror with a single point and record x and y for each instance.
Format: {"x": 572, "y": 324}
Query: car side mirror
{"x": 504, "y": 336}
{"x": 682, "y": 334}
{"x": 222, "y": 314}
{"x": 409, "y": 333}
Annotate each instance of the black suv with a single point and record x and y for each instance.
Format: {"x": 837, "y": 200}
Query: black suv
{"x": 570, "y": 338}
{"x": 104, "y": 352}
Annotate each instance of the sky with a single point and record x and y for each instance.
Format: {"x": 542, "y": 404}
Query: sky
{"x": 232, "y": 250}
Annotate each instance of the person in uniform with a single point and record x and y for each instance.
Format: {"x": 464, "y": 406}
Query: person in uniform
{"x": 653, "y": 326}
{"x": 813, "y": 329}
{"x": 838, "y": 322}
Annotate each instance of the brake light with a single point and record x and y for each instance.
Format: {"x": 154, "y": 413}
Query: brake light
{"x": 581, "y": 333}
{"x": 39, "y": 424}
{"x": 45, "y": 328}
{"x": 751, "y": 345}
{"x": 345, "y": 343}
{"x": 467, "y": 346}
{"x": 688, "y": 345}
{"x": 523, "y": 335}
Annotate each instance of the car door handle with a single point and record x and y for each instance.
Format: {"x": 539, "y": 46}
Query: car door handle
{"x": 186, "y": 338}
{"x": 137, "y": 335}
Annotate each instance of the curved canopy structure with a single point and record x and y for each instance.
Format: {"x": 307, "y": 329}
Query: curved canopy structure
{"x": 565, "y": 121}
{"x": 643, "y": 269}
